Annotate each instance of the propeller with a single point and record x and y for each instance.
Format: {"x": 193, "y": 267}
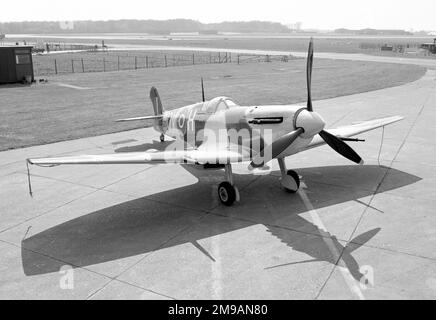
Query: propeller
{"x": 274, "y": 149}
{"x": 309, "y": 68}
{"x": 334, "y": 142}
{"x": 307, "y": 124}
{"x": 202, "y": 90}
{"x": 340, "y": 147}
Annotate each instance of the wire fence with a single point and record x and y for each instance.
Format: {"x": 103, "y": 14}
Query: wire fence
{"x": 83, "y": 62}
{"x": 396, "y": 47}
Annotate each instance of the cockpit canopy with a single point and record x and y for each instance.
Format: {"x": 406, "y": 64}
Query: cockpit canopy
{"x": 218, "y": 104}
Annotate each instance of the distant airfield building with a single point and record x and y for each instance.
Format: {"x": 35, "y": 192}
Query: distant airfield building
{"x": 16, "y": 64}
{"x": 431, "y": 46}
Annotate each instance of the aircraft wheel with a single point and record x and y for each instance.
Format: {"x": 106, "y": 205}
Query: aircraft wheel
{"x": 291, "y": 182}
{"x": 162, "y": 138}
{"x": 227, "y": 193}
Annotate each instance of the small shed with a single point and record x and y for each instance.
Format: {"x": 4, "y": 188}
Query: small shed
{"x": 16, "y": 64}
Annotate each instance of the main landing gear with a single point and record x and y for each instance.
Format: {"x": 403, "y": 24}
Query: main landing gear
{"x": 290, "y": 180}
{"x": 227, "y": 192}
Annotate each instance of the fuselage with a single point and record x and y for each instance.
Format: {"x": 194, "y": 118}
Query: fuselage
{"x": 221, "y": 121}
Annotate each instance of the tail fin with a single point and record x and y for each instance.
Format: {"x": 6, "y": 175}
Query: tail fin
{"x": 155, "y": 100}
{"x": 157, "y": 106}
{"x": 158, "y": 110}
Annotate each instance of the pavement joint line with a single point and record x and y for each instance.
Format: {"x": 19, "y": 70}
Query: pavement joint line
{"x": 316, "y": 220}
{"x": 149, "y": 198}
{"x": 386, "y": 282}
{"x": 146, "y": 198}
{"x": 55, "y": 259}
{"x": 49, "y": 211}
{"x": 81, "y": 267}
{"x": 145, "y": 289}
{"x": 339, "y": 185}
{"x": 85, "y": 185}
{"x": 89, "y": 140}
{"x": 207, "y": 210}
{"x": 393, "y": 251}
{"x": 90, "y": 296}
{"x": 58, "y": 180}
{"x": 11, "y": 173}
{"x": 432, "y": 165}
{"x": 341, "y": 118}
{"x": 204, "y": 215}
{"x": 381, "y": 182}
{"x": 367, "y": 205}
{"x": 177, "y": 234}
{"x": 323, "y": 236}
{"x": 419, "y": 198}
{"x": 95, "y": 190}
{"x": 50, "y": 155}
{"x": 277, "y": 226}
{"x": 390, "y": 165}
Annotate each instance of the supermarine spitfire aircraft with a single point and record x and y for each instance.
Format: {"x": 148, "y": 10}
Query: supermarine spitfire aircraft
{"x": 218, "y": 133}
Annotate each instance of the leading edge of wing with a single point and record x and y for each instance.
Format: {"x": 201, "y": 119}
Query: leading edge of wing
{"x": 185, "y": 156}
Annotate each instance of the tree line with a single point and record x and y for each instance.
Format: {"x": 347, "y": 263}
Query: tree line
{"x": 140, "y": 26}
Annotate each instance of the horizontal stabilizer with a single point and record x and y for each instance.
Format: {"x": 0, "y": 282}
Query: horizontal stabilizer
{"x": 140, "y": 118}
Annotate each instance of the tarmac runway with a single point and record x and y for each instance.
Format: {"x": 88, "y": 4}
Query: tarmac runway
{"x": 159, "y": 232}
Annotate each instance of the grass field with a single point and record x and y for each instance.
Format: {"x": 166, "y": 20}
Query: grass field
{"x": 81, "y": 105}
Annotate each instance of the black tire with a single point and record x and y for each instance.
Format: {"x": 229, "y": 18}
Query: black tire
{"x": 226, "y": 193}
{"x": 162, "y": 138}
{"x": 296, "y": 178}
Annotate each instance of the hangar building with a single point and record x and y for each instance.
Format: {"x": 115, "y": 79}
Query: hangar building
{"x": 431, "y": 46}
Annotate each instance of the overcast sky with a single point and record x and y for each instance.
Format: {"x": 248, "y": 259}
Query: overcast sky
{"x": 328, "y": 14}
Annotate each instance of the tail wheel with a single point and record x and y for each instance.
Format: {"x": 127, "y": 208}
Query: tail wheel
{"x": 294, "y": 175}
{"x": 162, "y": 138}
{"x": 227, "y": 193}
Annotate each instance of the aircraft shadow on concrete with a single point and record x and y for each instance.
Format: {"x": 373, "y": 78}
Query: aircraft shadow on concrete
{"x": 136, "y": 227}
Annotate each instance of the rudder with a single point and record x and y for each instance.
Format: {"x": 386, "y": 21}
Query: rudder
{"x": 156, "y": 101}
{"x": 159, "y": 123}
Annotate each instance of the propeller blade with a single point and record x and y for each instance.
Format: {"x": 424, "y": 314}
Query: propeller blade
{"x": 276, "y": 148}
{"x": 309, "y": 75}
{"x": 340, "y": 147}
{"x": 202, "y": 90}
